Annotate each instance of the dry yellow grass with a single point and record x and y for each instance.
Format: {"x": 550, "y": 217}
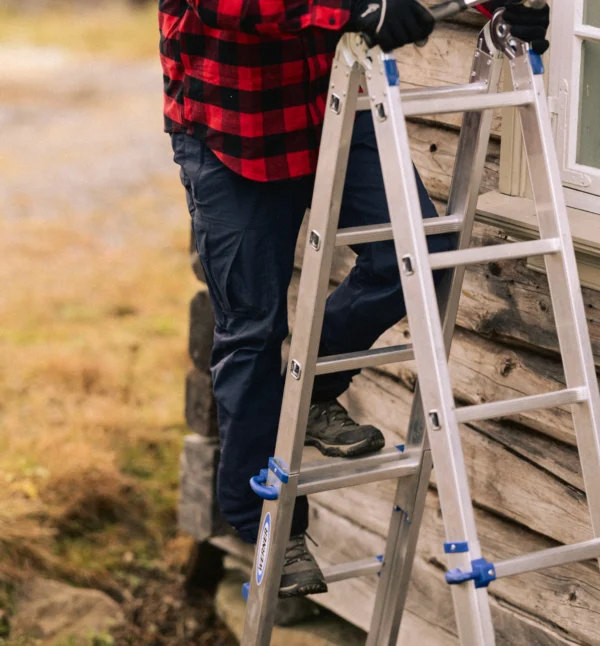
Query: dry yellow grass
{"x": 109, "y": 28}
{"x": 92, "y": 362}
{"x": 93, "y": 352}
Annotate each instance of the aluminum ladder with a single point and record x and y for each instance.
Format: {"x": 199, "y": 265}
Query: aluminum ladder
{"x": 433, "y": 432}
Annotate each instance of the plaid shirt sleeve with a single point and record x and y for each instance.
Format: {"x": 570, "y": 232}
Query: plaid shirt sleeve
{"x": 272, "y": 17}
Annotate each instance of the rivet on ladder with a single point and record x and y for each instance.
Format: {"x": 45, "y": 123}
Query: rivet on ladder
{"x": 315, "y": 240}
{"x": 407, "y": 264}
{"x": 434, "y": 418}
{"x": 335, "y": 103}
{"x": 295, "y": 369}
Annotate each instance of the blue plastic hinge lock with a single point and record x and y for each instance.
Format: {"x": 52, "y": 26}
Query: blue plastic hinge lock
{"x": 537, "y": 63}
{"x": 246, "y": 590}
{"x": 482, "y": 574}
{"x": 391, "y": 71}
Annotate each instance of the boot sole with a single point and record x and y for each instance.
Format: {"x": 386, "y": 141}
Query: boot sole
{"x": 368, "y": 445}
{"x": 303, "y": 589}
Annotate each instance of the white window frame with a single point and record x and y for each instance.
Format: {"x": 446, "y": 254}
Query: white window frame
{"x": 582, "y": 183}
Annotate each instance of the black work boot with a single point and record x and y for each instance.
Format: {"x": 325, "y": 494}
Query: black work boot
{"x": 301, "y": 574}
{"x": 336, "y": 434}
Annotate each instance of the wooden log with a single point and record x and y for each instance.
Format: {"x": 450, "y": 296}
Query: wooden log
{"x": 527, "y": 494}
{"x": 434, "y": 152}
{"x": 568, "y": 594}
{"x": 200, "y": 405}
{"x": 509, "y": 302}
{"x": 553, "y": 605}
{"x": 445, "y": 60}
{"x": 201, "y": 330}
{"x": 198, "y": 510}
{"x": 483, "y": 371}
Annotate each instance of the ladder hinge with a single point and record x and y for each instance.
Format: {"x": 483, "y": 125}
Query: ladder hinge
{"x": 482, "y": 574}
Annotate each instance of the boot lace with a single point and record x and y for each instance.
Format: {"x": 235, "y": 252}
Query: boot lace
{"x": 296, "y": 551}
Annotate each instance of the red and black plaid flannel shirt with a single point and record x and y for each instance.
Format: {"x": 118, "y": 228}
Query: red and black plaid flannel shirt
{"x": 250, "y": 78}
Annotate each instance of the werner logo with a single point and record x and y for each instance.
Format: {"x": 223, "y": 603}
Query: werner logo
{"x": 263, "y": 549}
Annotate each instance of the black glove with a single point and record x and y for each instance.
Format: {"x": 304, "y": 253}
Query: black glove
{"x": 390, "y": 23}
{"x": 529, "y": 25}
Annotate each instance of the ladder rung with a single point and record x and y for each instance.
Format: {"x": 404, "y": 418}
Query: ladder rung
{"x": 446, "y": 105}
{"x": 326, "y": 475}
{"x": 352, "y": 569}
{"x": 552, "y": 557}
{"x": 470, "y": 89}
{"x": 380, "y": 232}
{"x": 521, "y": 404}
{"x": 492, "y": 253}
{"x": 334, "y": 466}
{"x": 364, "y": 359}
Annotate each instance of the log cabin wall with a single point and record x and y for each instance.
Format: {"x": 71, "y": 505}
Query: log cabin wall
{"x": 524, "y": 471}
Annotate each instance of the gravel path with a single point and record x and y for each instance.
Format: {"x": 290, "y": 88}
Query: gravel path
{"x": 77, "y": 137}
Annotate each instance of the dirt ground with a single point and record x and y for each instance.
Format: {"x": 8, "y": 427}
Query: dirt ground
{"x": 95, "y": 276}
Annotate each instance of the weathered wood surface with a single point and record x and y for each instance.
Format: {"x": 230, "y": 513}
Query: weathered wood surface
{"x": 202, "y": 325}
{"x": 507, "y": 484}
{"x": 200, "y": 405}
{"x": 503, "y": 301}
{"x": 198, "y": 510}
{"x": 552, "y": 605}
{"x": 434, "y": 152}
{"x": 524, "y": 473}
{"x": 483, "y": 371}
{"x": 445, "y": 60}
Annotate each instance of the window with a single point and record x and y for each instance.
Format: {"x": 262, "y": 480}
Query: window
{"x": 574, "y": 88}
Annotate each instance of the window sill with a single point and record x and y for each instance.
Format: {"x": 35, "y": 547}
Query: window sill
{"x": 516, "y": 216}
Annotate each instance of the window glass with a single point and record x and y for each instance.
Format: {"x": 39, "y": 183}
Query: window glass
{"x": 589, "y": 121}
{"x": 592, "y": 13}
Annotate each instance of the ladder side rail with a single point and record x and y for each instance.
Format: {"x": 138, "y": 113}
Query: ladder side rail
{"x": 563, "y": 278}
{"x": 327, "y": 196}
{"x": 462, "y": 202}
{"x": 473, "y": 612}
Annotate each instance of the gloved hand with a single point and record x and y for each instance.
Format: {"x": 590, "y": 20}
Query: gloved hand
{"x": 529, "y": 25}
{"x": 390, "y": 23}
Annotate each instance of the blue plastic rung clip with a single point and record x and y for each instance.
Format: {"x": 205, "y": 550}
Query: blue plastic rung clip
{"x": 400, "y": 447}
{"x": 537, "y": 64}
{"x": 278, "y": 470}
{"x": 391, "y": 71}
{"x": 456, "y": 547}
{"x": 246, "y": 590}
{"x": 483, "y": 573}
{"x": 259, "y": 483}
{"x": 261, "y": 488}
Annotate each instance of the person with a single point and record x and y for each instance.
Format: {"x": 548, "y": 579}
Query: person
{"x": 245, "y": 90}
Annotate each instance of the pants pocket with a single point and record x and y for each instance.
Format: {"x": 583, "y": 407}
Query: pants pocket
{"x": 236, "y": 263}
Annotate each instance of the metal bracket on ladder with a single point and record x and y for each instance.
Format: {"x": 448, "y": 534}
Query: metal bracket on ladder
{"x": 433, "y": 431}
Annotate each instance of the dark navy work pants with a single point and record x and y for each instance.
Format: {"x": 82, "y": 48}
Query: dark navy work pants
{"x": 246, "y": 233}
